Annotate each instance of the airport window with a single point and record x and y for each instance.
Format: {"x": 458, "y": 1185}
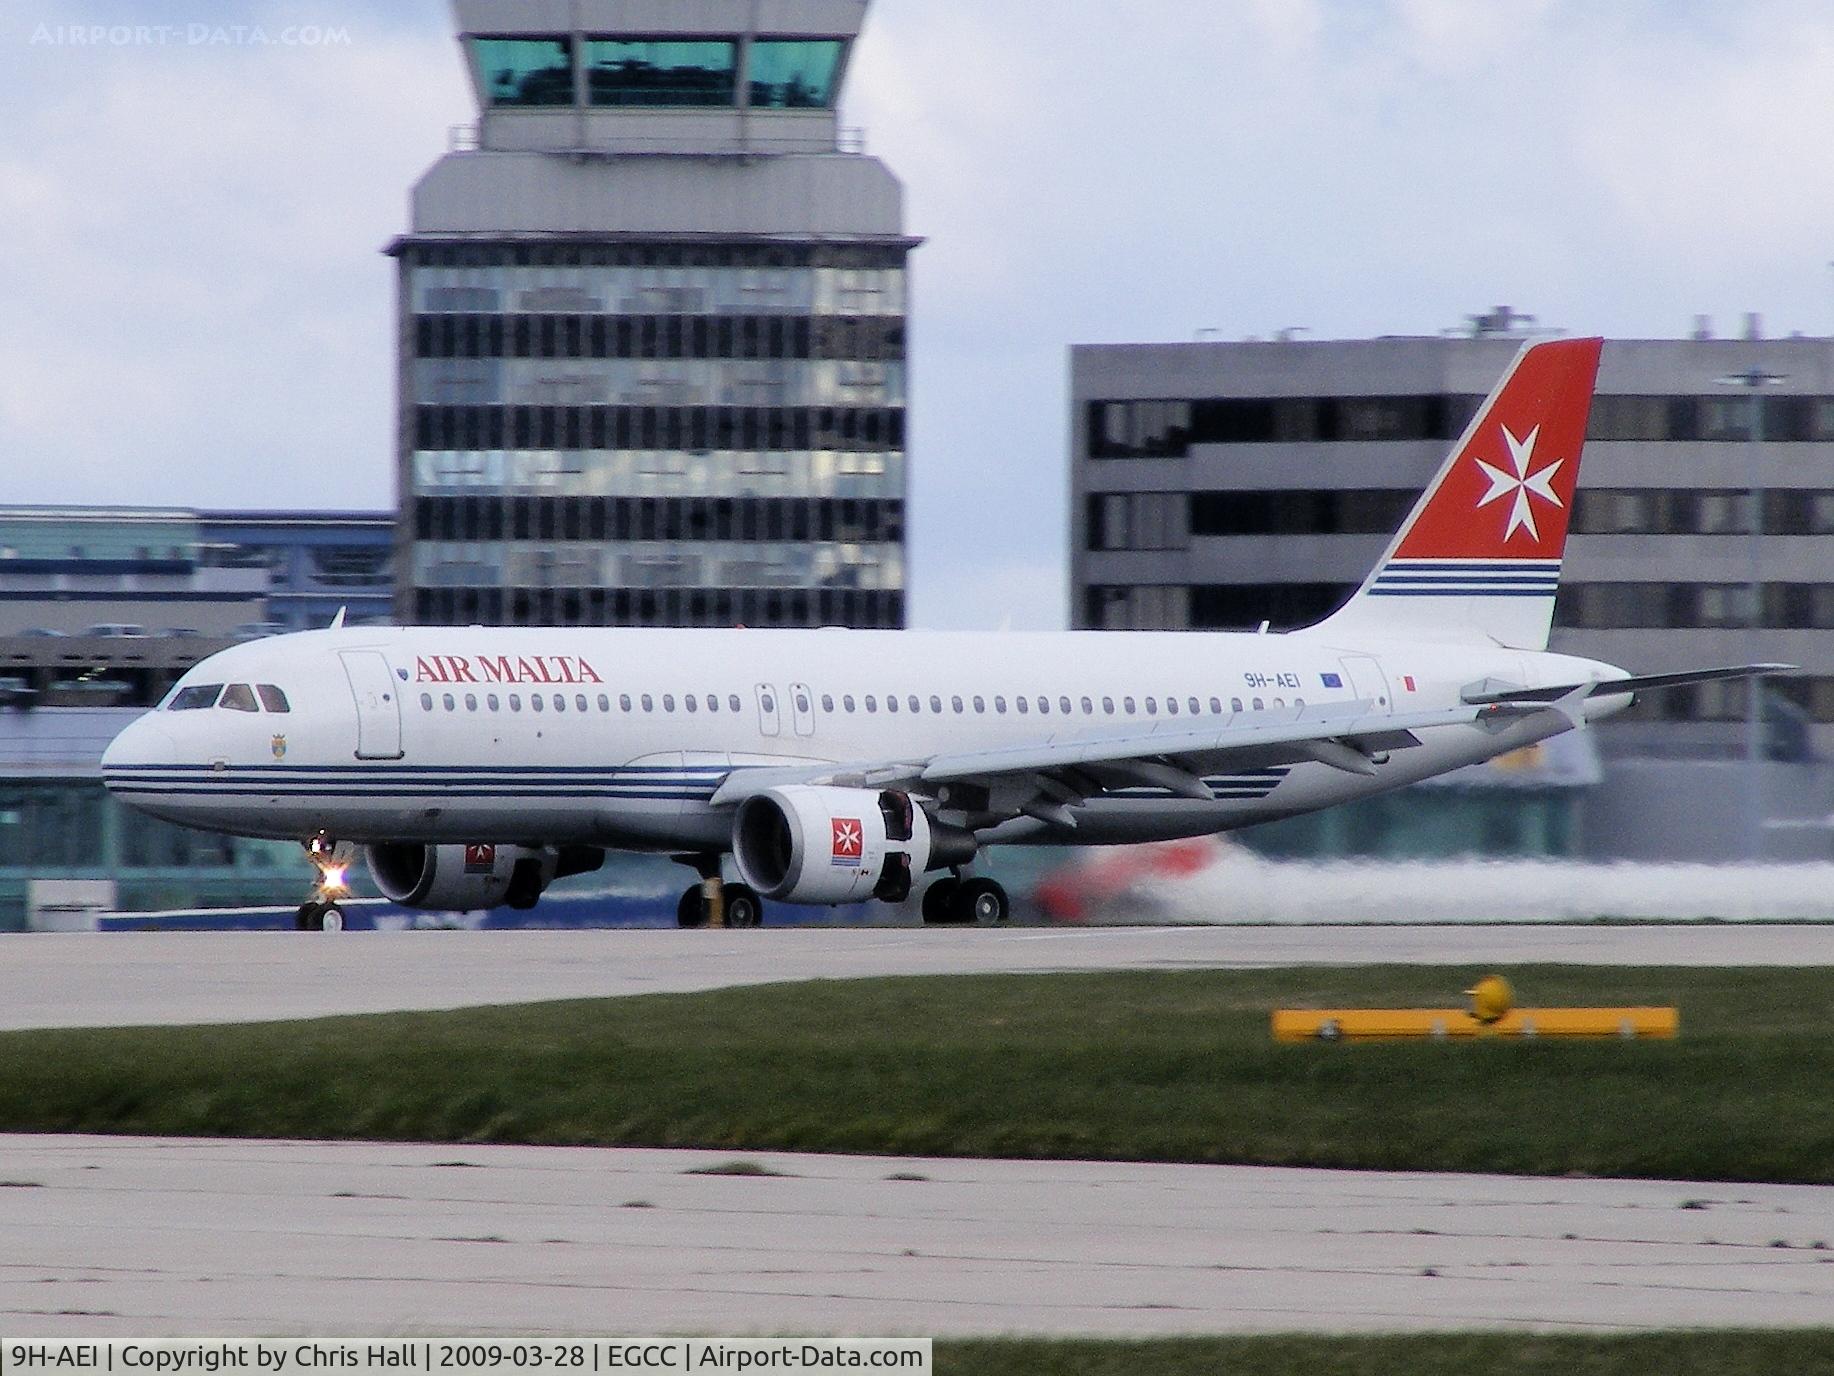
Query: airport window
{"x": 1350, "y": 511}
{"x": 661, "y": 72}
{"x": 272, "y": 698}
{"x": 426, "y": 702}
{"x": 524, "y": 71}
{"x": 1138, "y": 520}
{"x": 239, "y": 697}
{"x": 793, "y": 74}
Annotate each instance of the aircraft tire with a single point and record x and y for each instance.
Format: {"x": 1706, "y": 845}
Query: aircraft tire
{"x": 981, "y": 901}
{"x": 306, "y": 920}
{"x": 743, "y": 906}
{"x": 330, "y": 919}
{"x": 689, "y": 912}
{"x": 939, "y": 906}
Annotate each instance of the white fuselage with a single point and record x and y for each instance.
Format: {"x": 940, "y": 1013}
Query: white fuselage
{"x": 619, "y": 737}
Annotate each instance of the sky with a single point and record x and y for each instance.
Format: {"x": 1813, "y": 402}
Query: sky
{"x": 194, "y": 307}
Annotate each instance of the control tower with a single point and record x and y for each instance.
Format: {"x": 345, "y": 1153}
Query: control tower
{"x": 651, "y": 327}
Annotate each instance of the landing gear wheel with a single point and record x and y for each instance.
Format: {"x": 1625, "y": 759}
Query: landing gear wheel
{"x": 306, "y": 920}
{"x": 939, "y": 902}
{"x": 692, "y": 910}
{"x": 743, "y": 906}
{"x": 331, "y": 918}
{"x": 982, "y": 901}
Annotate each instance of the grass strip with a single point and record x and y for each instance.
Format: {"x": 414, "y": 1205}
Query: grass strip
{"x": 1171, "y": 1066}
{"x": 1736, "y": 1353}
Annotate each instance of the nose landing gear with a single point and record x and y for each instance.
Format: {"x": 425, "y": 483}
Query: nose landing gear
{"x": 322, "y": 912}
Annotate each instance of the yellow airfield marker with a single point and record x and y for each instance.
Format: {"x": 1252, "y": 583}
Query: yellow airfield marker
{"x": 1492, "y": 1014}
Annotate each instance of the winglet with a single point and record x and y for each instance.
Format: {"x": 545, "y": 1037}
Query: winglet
{"x": 337, "y": 622}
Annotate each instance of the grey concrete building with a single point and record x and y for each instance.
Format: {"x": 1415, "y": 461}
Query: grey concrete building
{"x": 1219, "y": 484}
{"x": 652, "y": 318}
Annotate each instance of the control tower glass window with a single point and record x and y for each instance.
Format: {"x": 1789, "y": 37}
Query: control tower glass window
{"x": 652, "y": 72}
{"x": 794, "y": 75}
{"x": 524, "y": 71}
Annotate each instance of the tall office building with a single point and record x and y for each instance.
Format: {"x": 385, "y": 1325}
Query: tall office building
{"x": 652, "y": 327}
{"x": 1218, "y": 484}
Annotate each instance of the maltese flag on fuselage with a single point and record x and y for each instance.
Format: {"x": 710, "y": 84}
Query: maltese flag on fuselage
{"x": 1479, "y": 557}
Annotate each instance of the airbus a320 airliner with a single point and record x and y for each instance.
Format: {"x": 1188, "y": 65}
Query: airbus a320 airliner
{"x": 829, "y": 766}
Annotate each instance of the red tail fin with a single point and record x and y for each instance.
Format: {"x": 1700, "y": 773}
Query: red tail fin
{"x": 1479, "y": 557}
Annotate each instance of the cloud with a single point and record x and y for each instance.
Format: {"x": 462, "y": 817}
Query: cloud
{"x": 197, "y": 311}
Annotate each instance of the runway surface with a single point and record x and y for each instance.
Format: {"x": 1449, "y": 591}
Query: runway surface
{"x": 147, "y": 1237}
{"x": 122, "y": 979}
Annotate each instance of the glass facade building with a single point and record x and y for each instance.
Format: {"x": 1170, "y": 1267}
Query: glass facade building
{"x": 652, "y": 334}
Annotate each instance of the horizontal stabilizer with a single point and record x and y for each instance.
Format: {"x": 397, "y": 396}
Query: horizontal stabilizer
{"x": 1486, "y": 692}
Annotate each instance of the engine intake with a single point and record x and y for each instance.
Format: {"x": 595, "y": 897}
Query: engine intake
{"x": 469, "y": 878}
{"x": 813, "y": 844}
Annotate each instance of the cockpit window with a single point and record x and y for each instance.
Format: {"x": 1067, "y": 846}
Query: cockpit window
{"x": 272, "y": 698}
{"x": 239, "y": 697}
{"x": 197, "y": 696}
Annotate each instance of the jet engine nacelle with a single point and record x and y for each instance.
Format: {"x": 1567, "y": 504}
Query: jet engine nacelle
{"x": 472, "y": 877}
{"x": 811, "y": 844}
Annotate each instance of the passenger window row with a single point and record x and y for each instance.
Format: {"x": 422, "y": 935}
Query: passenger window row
{"x": 848, "y": 704}
{"x": 237, "y": 697}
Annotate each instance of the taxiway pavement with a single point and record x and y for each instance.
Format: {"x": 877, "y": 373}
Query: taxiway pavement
{"x": 119, "y": 1237}
{"x": 132, "y": 978}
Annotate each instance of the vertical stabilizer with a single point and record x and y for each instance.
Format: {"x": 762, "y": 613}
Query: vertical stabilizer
{"x": 1478, "y": 558}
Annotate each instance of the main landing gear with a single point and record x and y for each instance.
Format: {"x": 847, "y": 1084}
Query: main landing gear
{"x": 715, "y": 903}
{"x": 965, "y": 902}
{"x": 322, "y": 912}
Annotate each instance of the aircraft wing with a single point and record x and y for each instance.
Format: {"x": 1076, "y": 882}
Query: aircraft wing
{"x": 1070, "y": 766}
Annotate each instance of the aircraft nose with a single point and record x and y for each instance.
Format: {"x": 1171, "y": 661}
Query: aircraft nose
{"x": 143, "y": 741}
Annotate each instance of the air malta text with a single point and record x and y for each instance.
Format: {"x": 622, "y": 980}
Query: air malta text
{"x": 503, "y": 669}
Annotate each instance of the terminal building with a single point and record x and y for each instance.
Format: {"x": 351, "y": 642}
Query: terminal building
{"x": 1215, "y": 485}
{"x": 108, "y": 605}
{"x": 652, "y": 328}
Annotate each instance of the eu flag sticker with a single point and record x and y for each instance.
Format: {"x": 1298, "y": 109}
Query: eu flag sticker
{"x": 1333, "y": 680}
